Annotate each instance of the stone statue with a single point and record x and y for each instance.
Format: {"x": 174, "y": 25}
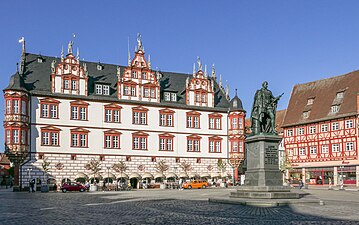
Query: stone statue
{"x": 139, "y": 42}
{"x": 69, "y": 47}
{"x": 263, "y": 111}
{"x": 53, "y": 66}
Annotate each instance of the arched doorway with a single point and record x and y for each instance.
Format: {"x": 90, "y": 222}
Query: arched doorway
{"x": 134, "y": 182}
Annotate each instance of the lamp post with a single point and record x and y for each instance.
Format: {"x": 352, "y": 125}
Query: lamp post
{"x": 341, "y": 178}
{"x": 28, "y": 174}
{"x": 108, "y": 177}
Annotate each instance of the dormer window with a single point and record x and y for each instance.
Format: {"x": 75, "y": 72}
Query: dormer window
{"x": 334, "y": 108}
{"x": 134, "y": 74}
{"x": 306, "y": 114}
{"x": 170, "y": 97}
{"x": 340, "y": 94}
{"x": 102, "y": 89}
{"x": 144, "y": 76}
{"x": 310, "y": 101}
{"x": 40, "y": 59}
{"x": 99, "y": 67}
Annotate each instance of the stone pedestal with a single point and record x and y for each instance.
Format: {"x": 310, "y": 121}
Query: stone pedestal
{"x": 263, "y": 177}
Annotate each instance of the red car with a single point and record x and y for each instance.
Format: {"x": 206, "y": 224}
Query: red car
{"x": 72, "y": 187}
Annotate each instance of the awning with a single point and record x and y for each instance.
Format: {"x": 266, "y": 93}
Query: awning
{"x": 81, "y": 175}
{"x": 98, "y": 176}
{"x": 192, "y": 174}
{"x": 215, "y": 175}
{"x": 225, "y": 175}
{"x": 135, "y": 175}
{"x": 147, "y": 175}
{"x": 205, "y": 175}
{"x": 109, "y": 175}
{"x": 183, "y": 175}
{"x": 122, "y": 175}
{"x": 170, "y": 175}
{"x": 159, "y": 175}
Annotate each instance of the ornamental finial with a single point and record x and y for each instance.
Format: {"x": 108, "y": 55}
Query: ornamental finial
{"x": 62, "y": 54}
{"x": 139, "y": 42}
{"x": 205, "y": 70}
{"x": 69, "y": 47}
{"x": 213, "y": 72}
{"x": 78, "y": 54}
{"x": 199, "y": 63}
{"x": 194, "y": 69}
{"x": 128, "y": 52}
{"x": 149, "y": 61}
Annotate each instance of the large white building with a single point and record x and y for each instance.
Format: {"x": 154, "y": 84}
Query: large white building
{"x": 66, "y": 112}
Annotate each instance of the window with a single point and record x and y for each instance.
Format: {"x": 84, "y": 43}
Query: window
{"x": 8, "y": 106}
{"x": 50, "y": 136}
{"x": 313, "y": 150}
{"x": 234, "y": 146}
{"x": 335, "y": 126}
{"x": 215, "y": 121}
{"x": 335, "y": 148}
{"x": 349, "y": 146}
{"x": 170, "y": 96}
{"x": 79, "y": 138}
{"x": 139, "y": 115}
{"x": 301, "y": 131}
{"x": 70, "y": 84}
{"x": 98, "y": 89}
{"x": 234, "y": 123}
{"x": 23, "y": 108}
{"x": 289, "y": 133}
{"x": 324, "y": 127}
{"x": 193, "y": 143}
{"x": 112, "y": 139}
{"x": 102, "y": 89}
{"x": 15, "y": 136}
{"x": 144, "y": 76}
{"x": 312, "y": 130}
{"x": 106, "y": 90}
{"x": 349, "y": 124}
{"x": 301, "y": 151}
{"x": 73, "y": 84}
{"x": 200, "y": 96}
{"x": 8, "y": 136}
{"x": 306, "y": 114}
{"x": 139, "y": 141}
{"x": 166, "y": 142}
{"x": 149, "y": 92}
{"x": 23, "y": 137}
{"x": 15, "y": 106}
{"x": 193, "y": 120}
{"x": 325, "y": 149}
{"x": 340, "y": 94}
{"x": 66, "y": 84}
{"x": 129, "y": 90}
{"x": 334, "y": 108}
{"x": 166, "y": 117}
{"x": 79, "y": 110}
{"x": 134, "y": 74}
{"x": 173, "y": 97}
{"x": 112, "y": 113}
{"x": 310, "y": 101}
{"x": 215, "y": 144}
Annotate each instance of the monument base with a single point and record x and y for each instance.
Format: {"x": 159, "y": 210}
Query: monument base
{"x": 268, "y": 192}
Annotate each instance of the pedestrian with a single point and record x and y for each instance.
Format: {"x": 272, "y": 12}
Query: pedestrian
{"x": 32, "y": 184}
{"x": 180, "y": 184}
{"x": 87, "y": 185}
{"x": 301, "y": 184}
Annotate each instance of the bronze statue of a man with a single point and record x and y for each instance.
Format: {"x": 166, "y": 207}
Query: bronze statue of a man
{"x": 263, "y": 111}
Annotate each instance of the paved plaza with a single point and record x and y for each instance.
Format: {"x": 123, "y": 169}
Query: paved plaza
{"x": 170, "y": 207}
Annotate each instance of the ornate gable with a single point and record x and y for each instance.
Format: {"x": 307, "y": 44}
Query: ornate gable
{"x": 68, "y": 76}
{"x": 199, "y": 89}
{"x": 138, "y": 81}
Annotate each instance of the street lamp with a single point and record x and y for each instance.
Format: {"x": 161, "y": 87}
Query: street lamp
{"x": 28, "y": 174}
{"x": 108, "y": 177}
{"x": 341, "y": 178}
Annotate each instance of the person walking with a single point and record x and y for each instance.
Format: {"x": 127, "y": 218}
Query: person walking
{"x": 32, "y": 184}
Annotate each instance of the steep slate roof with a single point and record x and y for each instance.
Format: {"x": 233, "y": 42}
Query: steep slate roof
{"x": 279, "y": 120}
{"x": 324, "y": 93}
{"x": 37, "y": 81}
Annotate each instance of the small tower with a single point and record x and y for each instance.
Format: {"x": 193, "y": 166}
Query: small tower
{"x": 236, "y": 134}
{"x": 16, "y": 119}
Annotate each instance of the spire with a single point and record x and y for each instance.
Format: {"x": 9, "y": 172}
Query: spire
{"x": 236, "y": 91}
{"x": 227, "y": 89}
{"x": 78, "y": 54}
{"x": 128, "y": 52}
{"x": 205, "y": 70}
{"x": 194, "y": 69}
{"x": 23, "y": 52}
{"x": 139, "y": 42}
{"x": 62, "y": 53}
{"x": 213, "y": 72}
{"x": 220, "y": 80}
{"x": 149, "y": 61}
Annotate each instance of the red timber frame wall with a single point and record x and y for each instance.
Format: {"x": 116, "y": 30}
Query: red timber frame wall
{"x": 199, "y": 91}
{"x": 16, "y": 127}
{"x": 139, "y": 80}
{"x": 329, "y": 143}
{"x": 236, "y": 137}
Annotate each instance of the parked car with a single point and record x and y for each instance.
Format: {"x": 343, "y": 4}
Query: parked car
{"x": 195, "y": 184}
{"x": 72, "y": 187}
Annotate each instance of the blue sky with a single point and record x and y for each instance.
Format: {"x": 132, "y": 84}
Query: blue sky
{"x": 285, "y": 42}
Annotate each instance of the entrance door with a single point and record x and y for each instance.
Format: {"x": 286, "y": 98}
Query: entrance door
{"x": 134, "y": 182}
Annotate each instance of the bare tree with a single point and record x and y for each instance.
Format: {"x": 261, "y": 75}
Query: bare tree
{"x": 185, "y": 166}
{"x": 120, "y": 167}
{"x": 45, "y": 166}
{"x": 95, "y": 167}
{"x": 162, "y": 166}
{"x": 221, "y": 165}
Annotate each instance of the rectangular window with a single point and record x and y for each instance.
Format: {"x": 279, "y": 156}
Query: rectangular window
{"x": 167, "y": 96}
{"x": 349, "y": 124}
{"x": 74, "y": 112}
{"x": 234, "y": 146}
{"x": 83, "y": 138}
{"x": 83, "y": 113}
{"x": 173, "y": 97}
{"x": 146, "y": 92}
{"x": 349, "y": 146}
{"x": 15, "y": 136}
{"x": 15, "y": 105}
{"x": 74, "y": 85}
{"x": 310, "y": 101}
{"x": 23, "y": 108}
{"x": 218, "y": 146}
{"x": 313, "y": 150}
{"x": 211, "y": 146}
{"x": 143, "y": 117}
{"x": 45, "y": 110}
{"x": 53, "y": 111}
{"x": 196, "y": 145}
{"x": 306, "y": 114}
{"x": 126, "y": 90}
{"x": 324, "y": 127}
{"x": 54, "y": 138}
{"x": 218, "y": 123}
{"x": 301, "y": 131}
{"x": 162, "y": 143}
{"x": 211, "y": 123}
{"x": 108, "y": 114}
{"x": 162, "y": 120}
{"x": 335, "y": 126}
{"x": 335, "y": 148}
{"x": 133, "y": 91}
{"x": 8, "y": 106}
{"x": 144, "y": 76}
{"x": 325, "y": 149}
{"x": 8, "y": 136}
{"x": 169, "y": 120}
{"x": 106, "y": 90}
{"x": 107, "y": 141}
{"x": 23, "y": 137}
{"x": 240, "y": 122}
{"x": 169, "y": 144}
{"x": 153, "y": 93}
{"x": 115, "y": 141}
{"x": 195, "y": 122}
{"x": 98, "y": 89}
{"x": 312, "y": 130}
{"x": 45, "y": 138}
{"x": 116, "y": 116}
{"x": 289, "y": 133}
{"x": 190, "y": 145}
{"x": 234, "y": 123}
{"x": 66, "y": 84}
{"x": 240, "y": 144}
{"x": 136, "y": 118}
{"x": 301, "y": 151}
{"x": 189, "y": 121}
{"x": 74, "y": 140}
{"x": 50, "y": 138}
{"x": 143, "y": 143}
{"x": 136, "y": 143}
